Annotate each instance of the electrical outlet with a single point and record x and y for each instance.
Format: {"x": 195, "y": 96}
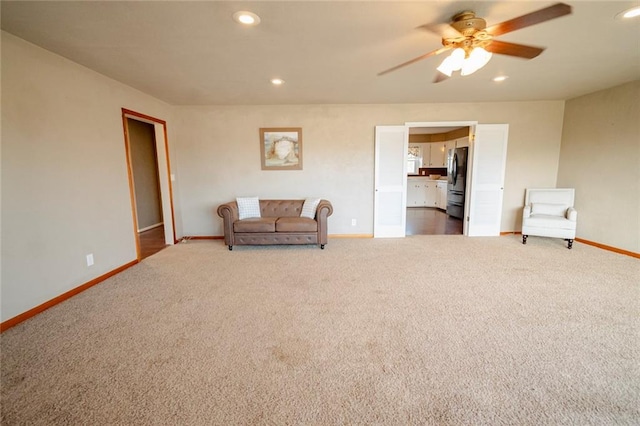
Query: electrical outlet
{"x": 353, "y": 222}
{"x": 90, "y": 259}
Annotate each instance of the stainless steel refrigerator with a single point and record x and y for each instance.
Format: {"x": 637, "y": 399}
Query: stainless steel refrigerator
{"x": 456, "y": 182}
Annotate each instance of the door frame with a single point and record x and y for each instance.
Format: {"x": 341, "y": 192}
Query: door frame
{"x": 164, "y": 170}
{"x": 471, "y": 125}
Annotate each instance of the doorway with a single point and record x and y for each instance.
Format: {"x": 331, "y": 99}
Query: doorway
{"x": 433, "y": 219}
{"x": 486, "y": 158}
{"x": 429, "y": 163}
{"x": 146, "y": 184}
{"x": 149, "y": 183}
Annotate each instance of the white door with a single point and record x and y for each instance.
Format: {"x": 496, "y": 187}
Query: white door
{"x": 165, "y": 183}
{"x": 484, "y": 208}
{"x": 390, "y": 202}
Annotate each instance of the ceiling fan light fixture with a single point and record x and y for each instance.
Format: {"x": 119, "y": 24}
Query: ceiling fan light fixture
{"x": 477, "y": 59}
{"x": 445, "y": 67}
{"x": 453, "y": 62}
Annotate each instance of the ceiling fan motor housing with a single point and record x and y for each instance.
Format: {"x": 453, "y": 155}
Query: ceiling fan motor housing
{"x": 467, "y": 24}
{"x": 472, "y": 33}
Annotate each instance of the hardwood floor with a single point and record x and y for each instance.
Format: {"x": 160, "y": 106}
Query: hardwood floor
{"x": 431, "y": 221}
{"x": 151, "y": 241}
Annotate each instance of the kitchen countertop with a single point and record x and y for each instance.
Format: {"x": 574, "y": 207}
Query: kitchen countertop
{"x": 412, "y": 177}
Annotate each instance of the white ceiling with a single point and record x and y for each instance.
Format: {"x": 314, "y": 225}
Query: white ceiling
{"x": 193, "y": 53}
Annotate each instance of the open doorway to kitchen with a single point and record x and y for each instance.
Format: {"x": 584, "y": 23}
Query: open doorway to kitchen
{"x": 433, "y": 206}
{"x": 481, "y": 179}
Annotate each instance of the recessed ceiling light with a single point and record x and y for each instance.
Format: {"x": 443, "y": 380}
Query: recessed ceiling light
{"x": 277, "y": 81}
{"x": 246, "y": 18}
{"x": 500, "y": 78}
{"x": 629, "y": 13}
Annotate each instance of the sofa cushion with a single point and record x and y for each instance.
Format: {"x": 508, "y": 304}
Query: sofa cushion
{"x": 248, "y": 207}
{"x": 296, "y": 224}
{"x": 550, "y": 221}
{"x": 549, "y": 208}
{"x": 309, "y": 208}
{"x": 262, "y": 224}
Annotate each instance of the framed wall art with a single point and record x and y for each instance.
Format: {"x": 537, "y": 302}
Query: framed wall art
{"x": 281, "y": 148}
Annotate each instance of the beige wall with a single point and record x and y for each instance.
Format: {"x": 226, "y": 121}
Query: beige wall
{"x": 600, "y": 158}
{"x": 219, "y": 157}
{"x": 65, "y": 191}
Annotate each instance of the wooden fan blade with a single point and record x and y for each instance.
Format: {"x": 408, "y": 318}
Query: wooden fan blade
{"x": 542, "y": 15}
{"x": 414, "y": 60}
{"x": 440, "y": 77}
{"x": 513, "y": 49}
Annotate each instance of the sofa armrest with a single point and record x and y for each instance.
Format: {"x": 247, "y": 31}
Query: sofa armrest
{"x": 323, "y": 211}
{"x": 526, "y": 212}
{"x": 229, "y": 210}
{"x": 571, "y": 214}
{"x": 324, "y": 208}
{"x": 229, "y": 213}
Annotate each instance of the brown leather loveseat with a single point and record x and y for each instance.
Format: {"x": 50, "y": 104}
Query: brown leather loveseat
{"x": 280, "y": 223}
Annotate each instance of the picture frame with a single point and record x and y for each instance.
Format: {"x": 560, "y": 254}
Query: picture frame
{"x": 281, "y": 148}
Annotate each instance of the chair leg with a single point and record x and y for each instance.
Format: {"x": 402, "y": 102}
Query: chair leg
{"x": 230, "y": 247}
{"x": 524, "y": 239}
{"x": 569, "y": 244}
{"x": 321, "y": 246}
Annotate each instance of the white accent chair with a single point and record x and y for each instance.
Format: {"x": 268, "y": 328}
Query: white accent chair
{"x": 549, "y": 212}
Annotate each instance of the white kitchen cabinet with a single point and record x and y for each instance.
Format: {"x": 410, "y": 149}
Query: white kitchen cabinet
{"x": 451, "y": 145}
{"x": 430, "y": 193}
{"x": 415, "y": 196}
{"x": 437, "y": 154}
{"x": 441, "y": 197}
{"x": 426, "y": 155}
{"x": 421, "y": 192}
{"x": 457, "y": 143}
{"x": 462, "y": 142}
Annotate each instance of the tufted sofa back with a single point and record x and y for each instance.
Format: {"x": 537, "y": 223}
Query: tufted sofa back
{"x": 281, "y": 208}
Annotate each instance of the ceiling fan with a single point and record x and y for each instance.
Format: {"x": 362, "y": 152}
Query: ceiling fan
{"x": 472, "y": 42}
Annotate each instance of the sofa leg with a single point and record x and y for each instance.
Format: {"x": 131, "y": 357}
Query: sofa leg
{"x": 230, "y": 247}
{"x": 569, "y": 244}
{"x": 524, "y": 239}
{"x": 321, "y": 246}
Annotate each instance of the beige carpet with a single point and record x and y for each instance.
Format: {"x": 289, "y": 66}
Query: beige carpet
{"x": 441, "y": 330}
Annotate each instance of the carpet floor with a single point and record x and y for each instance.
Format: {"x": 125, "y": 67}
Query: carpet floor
{"x": 425, "y": 330}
